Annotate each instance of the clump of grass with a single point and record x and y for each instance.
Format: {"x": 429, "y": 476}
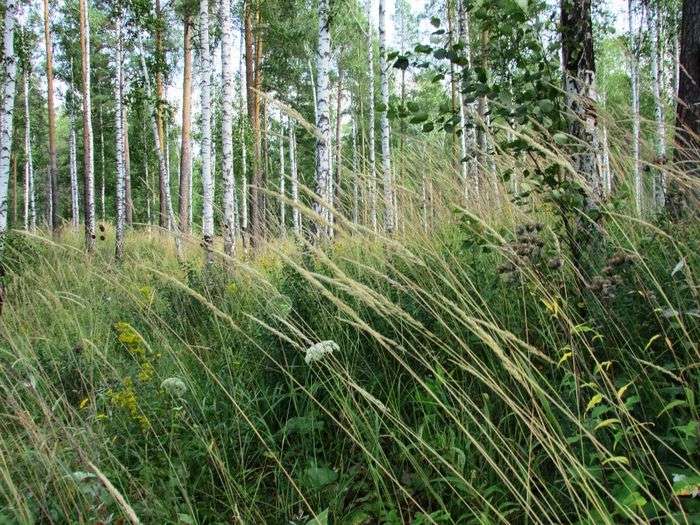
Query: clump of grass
{"x": 452, "y": 394}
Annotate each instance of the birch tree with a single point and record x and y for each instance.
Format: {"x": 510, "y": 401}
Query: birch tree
{"x": 323, "y": 136}
{"x": 372, "y": 183}
{"x": 207, "y": 179}
{"x": 185, "y": 151}
{"x": 467, "y": 110}
{"x": 29, "y": 202}
{"x": 52, "y": 215}
{"x": 389, "y": 202}
{"x": 296, "y": 212}
{"x": 579, "y": 86}
{"x": 653, "y": 21}
{"x": 89, "y": 183}
{"x": 283, "y": 192}
{"x": 73, "y": 163}
{"x": 634, "y": 77}
{"x": 12, "y": 12}
{"x": 119, "y": 126}
{"x": 228, "y": 177}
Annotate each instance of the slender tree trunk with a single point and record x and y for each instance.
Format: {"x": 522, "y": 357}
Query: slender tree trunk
{"x": 684, "y": 195}
{"x": 89, "y": 185}
{"x": 636, "y": 138}
{"x": 389, "y": 204}
{"x": 185, "y": 151}
{"x": 128, "y": 200}
{"x": 283, "y": 192}
{"x": 372, "y": 147}
{"x": 29, "y": 215}
{"x": 165, "y": 219}
{"x": 454, "y": 101}
{"x": 119, "y": 126}
{"x": 228, "y": 176}
{"x": 296, "y": 212}
{"x": 75, "y": 208}
{"x": 467, "y": 110}
{"x": 355, "y": 175}
{"x": 53, "y": 217}
{"x": 323, "y": 119}
{"x": 103, "y": 207}
{"x": 242, "y": 218}
{"x": 335, "y": 197}
{"x": 654, "y": 15}
{"x": 207, "y": 179}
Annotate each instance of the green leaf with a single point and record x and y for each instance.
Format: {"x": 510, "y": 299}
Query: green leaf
{"x": 594, "y": 401}
{"x": 319, "y": 477}
{"x": 435, "y": 21}
{"x": 620, "y": 460}
{"x": 320, "y": 519}
{"x": 401, "y": 63}
{"x": 419, "y": 117}
{"x": 423, "y": 48}
{"x": 672, "y": 405}
{"x": 522, "y": 4}
{"x": 561, "y": 138}
{"x": 428, "y": 127}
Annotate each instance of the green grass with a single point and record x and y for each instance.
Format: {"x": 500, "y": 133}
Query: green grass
{"x": 469, "y": 384}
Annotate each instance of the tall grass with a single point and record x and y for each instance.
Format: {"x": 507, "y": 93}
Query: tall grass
{"x": 470, "y": 384}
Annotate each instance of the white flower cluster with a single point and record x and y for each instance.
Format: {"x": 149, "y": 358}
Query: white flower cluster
{"x": 316, "y": 352}
{"x": 174, "y": 386}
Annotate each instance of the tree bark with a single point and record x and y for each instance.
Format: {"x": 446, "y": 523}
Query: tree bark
{"x": 89, "y": 185}
{"x": 207, "y": 179}
{"x": 29, "y": 210}
{"x": 579, "y": 84}
{"x": 119, "y": 126}
{"x": 53, "y": 216}
{"x": 128, "y": 200}
{"x": 389, "y": 202}
{"x": 372, "y": 147}
{"x": 185, "y": 151}
{"x": 653, "y": 18}
{"x": 230, "y": 207}
{"x": 296, "y": 212}
{"x": 684, "y": 196}
{"x": 164, "y": 215}
{"x": 323, "y": 120}
{"x": 467, "y": 110}
{"x": 636, "y": 137}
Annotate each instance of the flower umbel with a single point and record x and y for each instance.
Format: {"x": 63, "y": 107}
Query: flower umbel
{"x": 316, "y": 352}
{"x": 174, "y": 386}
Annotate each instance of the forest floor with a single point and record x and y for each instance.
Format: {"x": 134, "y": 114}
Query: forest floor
{"x": 440, "y": 378}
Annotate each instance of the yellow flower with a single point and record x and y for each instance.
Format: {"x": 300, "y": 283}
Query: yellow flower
{"x": 84, "y": 403}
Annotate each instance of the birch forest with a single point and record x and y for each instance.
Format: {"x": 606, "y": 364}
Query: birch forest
{"x": 349, "y": 262}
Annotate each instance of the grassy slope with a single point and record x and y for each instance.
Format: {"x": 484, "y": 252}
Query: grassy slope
{"x": 458, "y": 393}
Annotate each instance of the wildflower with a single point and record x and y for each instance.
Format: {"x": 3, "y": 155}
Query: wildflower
{"x": 146, "y": 372}
{"x": 84, "y": 403}
{"x": 174, "y": 386}
{"x": 316, "y": 352}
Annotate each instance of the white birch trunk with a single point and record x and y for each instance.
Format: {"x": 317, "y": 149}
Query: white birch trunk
{"x": 323, "y": 172}
{"x": 206, "y": 149}
{"x": 242, "y": 109}
{"x": 88, "y": 157}
{"x": 29, "y": 208}
{"x": 389, "y": 198}
{"x": 467, "y": 110}
{"x": 634, "y": 77}
{"x": 6, "y": 110}
{"x": 228, "y": 177}
{"x": 102, "y": 169}
{"x": 72, "y": 165}
{"x": 283, "y": 205}
{"x": 119, "y": 127}
{"x": 660, "y": 135}
{"x": 355, "y": 177}
{"x": 372, "y": 183}
{"x": 296, "y": 212}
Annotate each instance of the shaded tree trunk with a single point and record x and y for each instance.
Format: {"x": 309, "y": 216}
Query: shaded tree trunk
{"x": 29, "y": 203}
{"x": 684, "y": 195}
{"x": 89, "y": 183}
{"x": 52, "y": 186}
{"x": 128, "y": 200}
{"x": 389, "y": 203}
{"x": 579, "y": 85}
{"x": 185, "y": 151}
{"x": 636, "y": 137}
{"x": 372, "y": 147}
{"x": 296, "y": 212}
{"x": 207, "y": 178}
{"x": 654, "y": 22}
{"x": 467, "y": 109}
